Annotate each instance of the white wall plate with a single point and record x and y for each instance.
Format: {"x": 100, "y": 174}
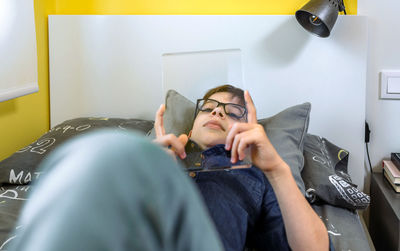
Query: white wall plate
{"x": 390, "y": 84}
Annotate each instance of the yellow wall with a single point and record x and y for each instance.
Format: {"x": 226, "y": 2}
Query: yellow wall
{"x": 24, "y": 119}
{"x": 186, "y": 6}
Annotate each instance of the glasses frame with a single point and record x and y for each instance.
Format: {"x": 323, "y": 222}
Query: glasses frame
{"x": 223, "y": 106}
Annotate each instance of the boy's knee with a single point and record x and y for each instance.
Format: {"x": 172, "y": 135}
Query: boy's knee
{"x": 104, "y": 150}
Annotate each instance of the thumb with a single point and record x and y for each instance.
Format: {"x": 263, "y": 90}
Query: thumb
{"x": 183, "y": 138}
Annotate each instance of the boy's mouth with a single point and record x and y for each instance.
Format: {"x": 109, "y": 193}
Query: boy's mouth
{"x": 214, "y": 125}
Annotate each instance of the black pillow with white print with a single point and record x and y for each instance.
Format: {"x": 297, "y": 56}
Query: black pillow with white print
{"x": 325, "y": 175}
{"x": 22, "y": 166}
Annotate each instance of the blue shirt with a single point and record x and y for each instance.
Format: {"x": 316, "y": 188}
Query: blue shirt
{"x": 243, "y": 206}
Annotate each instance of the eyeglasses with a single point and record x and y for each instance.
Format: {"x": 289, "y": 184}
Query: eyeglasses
{"x": 234, "y": 111}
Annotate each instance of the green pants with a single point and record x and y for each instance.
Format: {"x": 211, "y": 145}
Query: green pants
{"x": 112, "y": 190}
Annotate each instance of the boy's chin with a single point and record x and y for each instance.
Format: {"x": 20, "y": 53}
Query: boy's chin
{"x": 212, "y": 142}
{"x": 209, "y": 138}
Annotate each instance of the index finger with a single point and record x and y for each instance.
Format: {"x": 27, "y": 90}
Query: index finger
{"x": 251, "y": 109}
{"x": 159, "y": 121}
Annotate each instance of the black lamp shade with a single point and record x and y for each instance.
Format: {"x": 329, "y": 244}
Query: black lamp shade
{"x": 318, "y": 16}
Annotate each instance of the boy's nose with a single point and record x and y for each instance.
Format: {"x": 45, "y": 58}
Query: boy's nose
{"x": 218, "y": 112}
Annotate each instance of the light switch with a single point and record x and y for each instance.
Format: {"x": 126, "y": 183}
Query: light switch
{"x": 390, "y": 84}
{"x": 393, "y": 85}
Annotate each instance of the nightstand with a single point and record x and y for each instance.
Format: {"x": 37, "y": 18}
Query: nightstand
{"x": 384, "y": 219}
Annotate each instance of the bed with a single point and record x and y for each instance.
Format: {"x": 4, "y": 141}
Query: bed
{"x": 119, "y": 83}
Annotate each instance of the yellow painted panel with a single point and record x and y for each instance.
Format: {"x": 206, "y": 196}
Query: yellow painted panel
{"x": 24, "y": 119}
{"x": 265, "y": 7}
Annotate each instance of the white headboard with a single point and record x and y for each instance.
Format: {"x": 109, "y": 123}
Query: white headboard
{"x": 121, "y": 66}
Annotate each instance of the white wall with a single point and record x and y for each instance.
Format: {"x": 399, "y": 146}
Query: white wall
{"x": 383, "y": 116}
{"x": 94, "y": 74}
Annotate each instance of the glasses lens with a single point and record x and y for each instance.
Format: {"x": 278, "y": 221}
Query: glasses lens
{"x": 207, "y": 105}
{"x": 235, "y": 110}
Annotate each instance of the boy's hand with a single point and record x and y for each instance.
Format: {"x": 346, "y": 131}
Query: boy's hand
{"x": 175, "y": 145}
{"x": 251, "y": 134}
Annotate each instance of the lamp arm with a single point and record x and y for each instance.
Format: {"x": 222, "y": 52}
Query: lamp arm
{"x": 342, "y": 7}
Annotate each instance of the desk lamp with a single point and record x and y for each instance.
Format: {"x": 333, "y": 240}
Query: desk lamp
{"x": 319, "y": 16}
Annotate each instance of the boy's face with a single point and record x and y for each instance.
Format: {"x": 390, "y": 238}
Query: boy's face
{"x": 211, "y": 128}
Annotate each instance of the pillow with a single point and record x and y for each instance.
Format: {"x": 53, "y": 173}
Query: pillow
{"x": 178, "y": 115}
{"x": 325, "y": 175}
{"x": 286, "y": 130}
{"x": 20, "y": 168}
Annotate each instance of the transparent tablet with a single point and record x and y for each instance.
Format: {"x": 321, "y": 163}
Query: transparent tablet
{"x": 213, "y": 159}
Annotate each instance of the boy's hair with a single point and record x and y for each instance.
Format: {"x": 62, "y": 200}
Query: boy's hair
{"x": 234, "y": 91}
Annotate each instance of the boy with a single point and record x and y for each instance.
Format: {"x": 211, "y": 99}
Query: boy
{"x": 226, "y": 115}
{"x": 147, "y": 203}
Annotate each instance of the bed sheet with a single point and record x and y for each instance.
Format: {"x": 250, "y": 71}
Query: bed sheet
{"x": 345, "y": 227}
{"x": 12, "y": 199}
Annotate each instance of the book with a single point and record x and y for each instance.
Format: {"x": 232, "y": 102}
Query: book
{"x": 395, "y": 158}
{"x": 395, "y": 187}
{"x": 392, "y": 171}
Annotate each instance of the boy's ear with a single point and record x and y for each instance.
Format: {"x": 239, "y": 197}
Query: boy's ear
{"x": 190, "y": 134}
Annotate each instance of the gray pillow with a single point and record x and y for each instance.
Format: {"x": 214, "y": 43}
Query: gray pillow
{"x": 178, "y": 115}
{"x": 286, "y": 130}
{"x": 21, "y": 167}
